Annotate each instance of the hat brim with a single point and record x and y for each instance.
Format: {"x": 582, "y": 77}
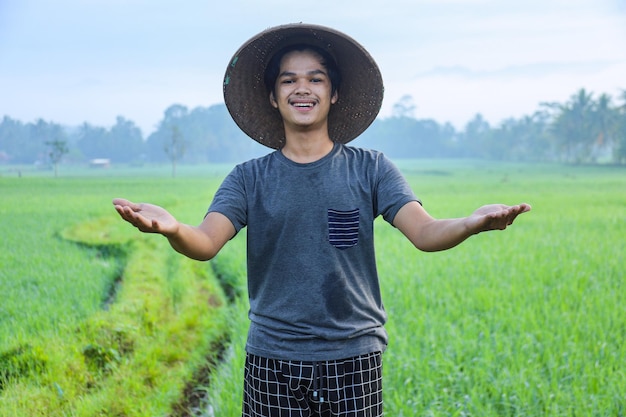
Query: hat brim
{"x": 247, "y": 99}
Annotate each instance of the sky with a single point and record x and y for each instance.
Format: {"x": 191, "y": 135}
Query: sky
{"x": 77, "y": 61}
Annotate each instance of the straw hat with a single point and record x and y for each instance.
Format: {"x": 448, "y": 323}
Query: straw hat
{"x": 247, "y": 99}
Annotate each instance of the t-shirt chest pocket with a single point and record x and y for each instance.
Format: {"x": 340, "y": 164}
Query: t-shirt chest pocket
{"x": 343, "y": 228}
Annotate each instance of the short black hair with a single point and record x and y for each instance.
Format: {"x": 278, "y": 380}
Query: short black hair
{"x": 328, "y": 62}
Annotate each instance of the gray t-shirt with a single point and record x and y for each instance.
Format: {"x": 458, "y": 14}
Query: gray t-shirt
{"x": 312, "y": 279}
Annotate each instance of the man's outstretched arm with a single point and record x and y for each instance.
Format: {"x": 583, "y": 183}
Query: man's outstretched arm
{"x": 201, "y": 242}
{"x": 430, "y": 234}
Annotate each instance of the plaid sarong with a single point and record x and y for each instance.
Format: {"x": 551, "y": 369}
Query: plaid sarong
{"x": 346, "y": 387}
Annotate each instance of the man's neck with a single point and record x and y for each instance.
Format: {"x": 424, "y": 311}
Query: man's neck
{"x": 307, "y": 148}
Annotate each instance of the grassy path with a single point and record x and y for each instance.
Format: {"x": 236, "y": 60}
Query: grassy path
{"x": 98, "y": 319}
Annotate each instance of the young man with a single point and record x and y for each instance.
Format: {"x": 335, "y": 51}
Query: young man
{"x": 316, "y": 335}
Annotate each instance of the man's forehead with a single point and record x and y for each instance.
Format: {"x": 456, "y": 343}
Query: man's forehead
{"x": 304, "y": 54}
{"x": 298, "y": 59}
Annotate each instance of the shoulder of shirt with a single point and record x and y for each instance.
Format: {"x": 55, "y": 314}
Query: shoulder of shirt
{"x": 362, "y": 153}
{"x": 256, "y": 161}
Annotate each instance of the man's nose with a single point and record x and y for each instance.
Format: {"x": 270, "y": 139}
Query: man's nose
{"x": 302, "y": 87}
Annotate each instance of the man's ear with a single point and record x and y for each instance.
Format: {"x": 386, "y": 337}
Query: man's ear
{"x": 334, "y": 98}
{"x": 273, "y": 100}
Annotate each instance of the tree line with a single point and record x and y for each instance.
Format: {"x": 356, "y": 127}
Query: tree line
{"x": 584, "y": 129}
{"x": 581, "y": 130}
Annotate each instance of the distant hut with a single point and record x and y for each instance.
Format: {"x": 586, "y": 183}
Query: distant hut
{"x": 100, "y": 163}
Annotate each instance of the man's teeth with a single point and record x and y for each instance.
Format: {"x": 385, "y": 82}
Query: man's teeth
{"x": 303, "y": 104}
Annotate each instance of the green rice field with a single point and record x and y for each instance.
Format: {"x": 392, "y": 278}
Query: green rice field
{"x": 97, "y": 319}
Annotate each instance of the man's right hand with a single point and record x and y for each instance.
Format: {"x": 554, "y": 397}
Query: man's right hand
{"x": 148, "y": 218}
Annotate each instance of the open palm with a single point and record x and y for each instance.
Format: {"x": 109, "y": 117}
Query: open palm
{"x": 495, "y": 216}
{"x": 148, "y": 218}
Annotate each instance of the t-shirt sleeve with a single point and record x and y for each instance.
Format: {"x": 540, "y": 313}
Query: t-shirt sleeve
{"x": 393, "y": 190}
{"x": 230, "y": 199}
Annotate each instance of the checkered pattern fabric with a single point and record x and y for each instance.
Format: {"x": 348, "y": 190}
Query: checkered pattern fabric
{"x": 347, "y": 387}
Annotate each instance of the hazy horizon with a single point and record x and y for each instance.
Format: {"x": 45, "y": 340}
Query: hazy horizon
{"x": 75, "y": 61}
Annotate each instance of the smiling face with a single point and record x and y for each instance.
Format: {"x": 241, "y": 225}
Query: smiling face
{"x": 303, "y": 92}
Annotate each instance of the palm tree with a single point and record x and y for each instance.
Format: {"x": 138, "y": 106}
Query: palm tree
{"x": 573, "y": 128}
{"x": 605, "y": 121}
{"x": 619, "y": 150}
